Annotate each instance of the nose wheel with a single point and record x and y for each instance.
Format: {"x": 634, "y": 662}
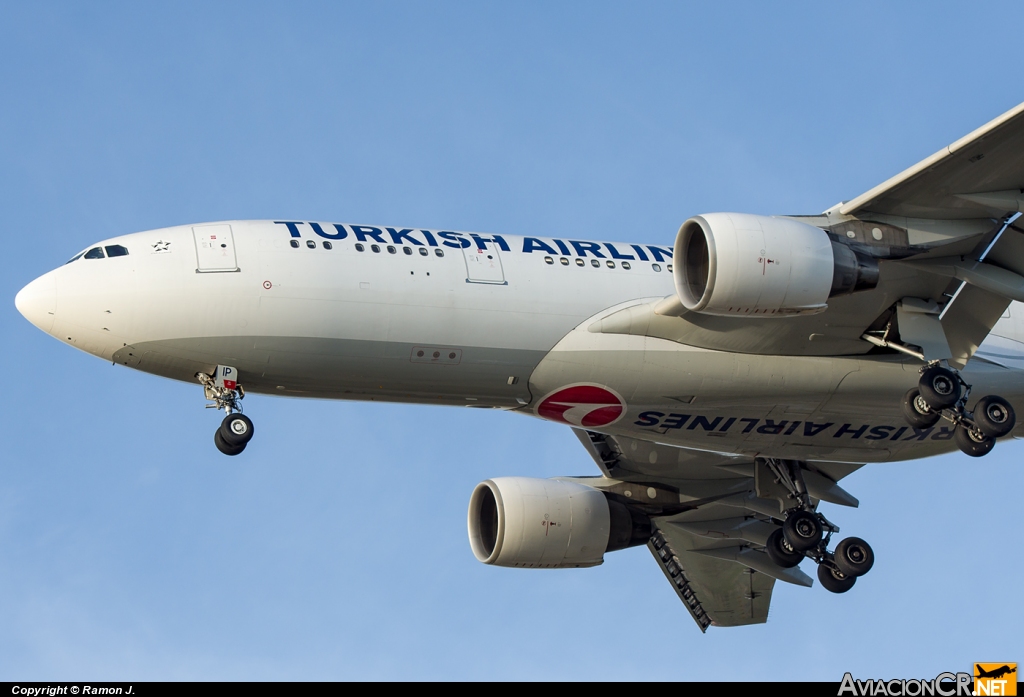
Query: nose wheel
{"x": 941, "y": 393}
{"x": 223, "y": 392}
{"x": 235, "y": 431}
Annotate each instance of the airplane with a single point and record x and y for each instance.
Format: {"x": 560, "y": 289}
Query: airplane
{"x": 723, "y": 386}
{"x": 995, "y": 673}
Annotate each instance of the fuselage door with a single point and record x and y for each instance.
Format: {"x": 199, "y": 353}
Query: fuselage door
{"x": 215, "y": 249}
{"x": 483, "y": 263}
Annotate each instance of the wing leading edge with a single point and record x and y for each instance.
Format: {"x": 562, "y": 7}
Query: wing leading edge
{"x": 980, "y": 174}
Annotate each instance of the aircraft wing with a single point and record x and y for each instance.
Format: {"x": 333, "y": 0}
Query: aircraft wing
{"x": 937, "y": 231}
{"x": 980, "y": 174}
{"x": 710, "y": 524}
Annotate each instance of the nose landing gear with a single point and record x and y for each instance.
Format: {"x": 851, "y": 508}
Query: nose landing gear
{"x": 807, "y": 533}
{"x": 941, "y": 393}
{"x": 236, "y": 430}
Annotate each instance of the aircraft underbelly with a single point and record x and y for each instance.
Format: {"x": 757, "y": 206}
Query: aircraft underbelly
{"x": 825, "y": 408}
{"x": 351, "y": 369}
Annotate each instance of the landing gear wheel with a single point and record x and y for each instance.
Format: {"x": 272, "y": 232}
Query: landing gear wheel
{"x": 973, "y": 442}
{"x": 940, "y": 387}
{"x": 916, "y": 411}
{"x": 994, "y": 416}
{"x": 781, "y": 552}
{"x": 854, "y": 557}
{"x": 236, "y": 429}
{"x": 834, "y": 580}
{"x": 225, "y": 447}
{"x": 802, "y": 530}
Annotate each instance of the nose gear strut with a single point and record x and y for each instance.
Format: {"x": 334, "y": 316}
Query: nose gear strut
{"x": 224, "y": 392}
{"x": 805, "y": 532}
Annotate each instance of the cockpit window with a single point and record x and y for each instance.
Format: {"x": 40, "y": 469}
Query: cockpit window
{"x": 116, "y": 250}
{"x": 95, "y": 253}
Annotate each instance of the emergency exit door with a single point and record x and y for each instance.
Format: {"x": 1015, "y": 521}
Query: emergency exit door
{"x": 483, "y": 263}
{"x": 215, "y": 249}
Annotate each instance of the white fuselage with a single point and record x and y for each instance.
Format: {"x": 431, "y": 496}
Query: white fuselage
{"x": 500, "y": 321}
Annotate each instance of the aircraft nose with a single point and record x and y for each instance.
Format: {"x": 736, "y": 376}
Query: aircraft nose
{"x": 38, "y": 301}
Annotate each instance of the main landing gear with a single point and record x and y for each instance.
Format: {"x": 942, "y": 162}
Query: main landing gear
{"x": 941, "y": 393}
{"x": 807, "y": 533}
{"x": 236, "y": 430}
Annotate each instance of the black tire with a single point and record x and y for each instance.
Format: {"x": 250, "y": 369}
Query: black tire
{"x": 780, "y": 551}
{"x": 972, "y": 442}
{"x": 802, "y": 530}
{"x": 940, "y": 387}
{"x": 834, "y": 580}
{"x": 917, "y": 412}
{"x": 224, "y": 447}
{"x": 236, "y": 429}
{"x": 854, "y": 557}
{"x": 994, "y": 416}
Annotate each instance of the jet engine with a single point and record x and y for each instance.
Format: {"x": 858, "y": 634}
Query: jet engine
{"x": 549, "y": 524}
{"x": 737, "y": 264}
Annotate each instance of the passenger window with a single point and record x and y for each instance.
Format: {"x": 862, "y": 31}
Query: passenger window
{"x": 311, "y": 244}
{"x": 625, "y": 265}
{"x": 375, "y": 248}
{"x": 407, "y": 250}
{"x": 439, "y": 252}
{"x": 564, "y": 261}
{"x": 423, "y": 251}
{"x": 669, "y": 267}
{"x": 391, "y": 250}
{"x": 328, "y": 245}
{"x": 595, "y": 263}
{"x": 656, "y": 267}
{"x": 579, "y": 262}
{"x": 549, "y": 260}
{"x": 294, "y": 243}
{"x": 116, "y": 250}
{"x": 611, "y": 264}
{"x": 360, "y": 247}
{"x": 95, "y": 253}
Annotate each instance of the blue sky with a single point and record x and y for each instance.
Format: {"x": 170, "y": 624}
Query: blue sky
{"x": 335, "y": 547}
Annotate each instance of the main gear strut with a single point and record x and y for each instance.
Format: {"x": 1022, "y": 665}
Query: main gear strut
{"x": 942, "y": 393}
{"x": 807, "y": 533}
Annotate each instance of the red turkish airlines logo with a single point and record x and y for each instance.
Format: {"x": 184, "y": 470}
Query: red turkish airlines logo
{"x": 582, "y": 405}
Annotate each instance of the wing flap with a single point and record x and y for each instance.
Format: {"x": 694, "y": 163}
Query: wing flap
{"x": 758, "y": 561}
{"x": 709, "y": 545}
{"x": 715, "y": 591}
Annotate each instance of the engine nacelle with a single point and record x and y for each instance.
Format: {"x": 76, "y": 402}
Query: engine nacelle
{"x": 737, "y": 264}
{"x": 549, "y": 524}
